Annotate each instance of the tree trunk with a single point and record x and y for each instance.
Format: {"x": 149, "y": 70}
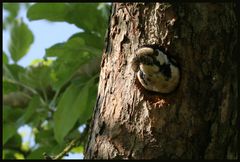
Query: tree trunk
{"x": 200, "y": 119}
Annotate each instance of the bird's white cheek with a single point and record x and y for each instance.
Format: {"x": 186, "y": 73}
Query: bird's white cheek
{"x": 149, "y": 69}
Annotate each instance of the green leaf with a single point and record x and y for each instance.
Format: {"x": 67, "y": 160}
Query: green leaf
{"x": 73, "y": 134}
{"x": 34, "y": 104}
{"x": 45, "y": 138}
{"x": 50, "y": 150}
{"x": 105, "y": 9}
{"x": 12, "y": 71}
{"x": 9, "y": 87}
{"x": 55, "y": 50}
{"x": 12, "y": 8}
{"x": 37, "y": 76}
{"x": 21, "y": 40}
{"x": 19, "y": 156}
{"x": 70, "y": 56}
{"x": 91, "y": 40}
{"x": 38, "y": 153}
{"x": 66, "y": 115}
{"x": 9, "y": 154}
{"x": 5, "y": 58}
{"x": 73, "y": 104}
{"x": 11, "y": 114}
{"x": 85, "y": 16}
{"x": 72, "y": 47}
{"x": 14, "y": 142}
{"x": 9, "y": 129}
{"x": 49, "y": 11}
{"x": 78, "y": 149}
{"x": 86, "y": 101}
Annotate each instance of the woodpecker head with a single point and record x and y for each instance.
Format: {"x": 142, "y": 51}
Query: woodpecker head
{"x": 156, "y": 70}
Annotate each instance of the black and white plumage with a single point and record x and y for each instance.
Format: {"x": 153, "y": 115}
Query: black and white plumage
{"x": 155, "y": 70}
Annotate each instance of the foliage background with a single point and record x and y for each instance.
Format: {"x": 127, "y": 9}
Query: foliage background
{"x": 54, "y": 95}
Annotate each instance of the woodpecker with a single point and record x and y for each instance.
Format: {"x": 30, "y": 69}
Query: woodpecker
{"x": 155, "y": 70}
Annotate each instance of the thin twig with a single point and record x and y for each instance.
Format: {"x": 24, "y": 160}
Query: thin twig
{"x": 69, "y": 147}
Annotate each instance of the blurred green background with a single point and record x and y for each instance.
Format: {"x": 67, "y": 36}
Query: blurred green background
{"x": 51, "y": 63}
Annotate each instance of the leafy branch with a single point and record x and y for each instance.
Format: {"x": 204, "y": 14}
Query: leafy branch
{"x": 75, "y": 142}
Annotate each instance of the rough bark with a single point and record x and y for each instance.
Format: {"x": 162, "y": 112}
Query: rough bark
{"x": 200, "y": 119}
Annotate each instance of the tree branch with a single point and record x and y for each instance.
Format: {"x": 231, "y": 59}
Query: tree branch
{"x": 69, "y": 147}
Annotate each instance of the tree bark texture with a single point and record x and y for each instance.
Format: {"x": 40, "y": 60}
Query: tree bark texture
{"x": 200, "y": 119}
